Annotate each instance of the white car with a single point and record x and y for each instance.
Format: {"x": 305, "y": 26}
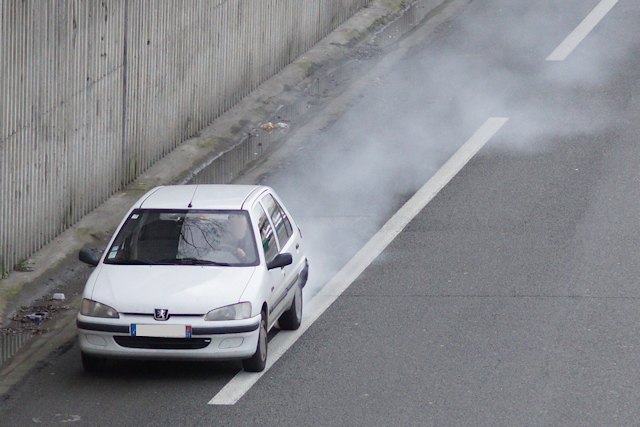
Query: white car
{"x": 194, "y": 272}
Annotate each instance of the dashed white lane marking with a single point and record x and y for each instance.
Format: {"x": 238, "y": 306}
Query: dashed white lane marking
{"x": 582, "y": 30}
{"x": 243, "y": 381}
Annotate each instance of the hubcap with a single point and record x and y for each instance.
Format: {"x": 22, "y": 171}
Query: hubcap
{"x": 298, "y": 303}
{"x": 263, "y": 341}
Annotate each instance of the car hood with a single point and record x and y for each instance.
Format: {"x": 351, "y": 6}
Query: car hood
{"x": 180, "y": 289}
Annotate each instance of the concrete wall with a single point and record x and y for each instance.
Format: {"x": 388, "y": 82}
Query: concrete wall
{"x": 93, "y": 92}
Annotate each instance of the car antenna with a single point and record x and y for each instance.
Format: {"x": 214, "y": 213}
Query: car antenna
{"x": 191, "y": 201}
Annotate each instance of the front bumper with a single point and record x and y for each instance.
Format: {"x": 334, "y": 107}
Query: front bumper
{"x": 112, "y": 338}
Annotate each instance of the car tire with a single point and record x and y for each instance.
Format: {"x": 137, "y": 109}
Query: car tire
{"x": 258, "y": 361}
{"x": 291, "y": 319}
{"x": 93, "y": 364}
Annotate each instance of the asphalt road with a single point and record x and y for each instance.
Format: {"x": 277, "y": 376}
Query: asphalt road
{"x": 511, "y": 299}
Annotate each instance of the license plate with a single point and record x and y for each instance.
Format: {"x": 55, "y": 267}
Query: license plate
{"x": 161, "y": 331}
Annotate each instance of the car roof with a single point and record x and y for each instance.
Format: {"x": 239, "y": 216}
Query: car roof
{"x": 200, "y": 196}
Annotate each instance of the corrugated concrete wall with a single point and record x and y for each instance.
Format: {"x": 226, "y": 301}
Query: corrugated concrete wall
{"x": 93, "y": 92}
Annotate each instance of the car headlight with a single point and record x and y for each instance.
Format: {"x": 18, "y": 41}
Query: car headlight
{"x": 96, "y": 309}
{"x": 241, "y": 310}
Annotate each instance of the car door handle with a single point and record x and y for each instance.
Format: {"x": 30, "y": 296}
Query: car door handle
{"x": 272, "y": 288}
{"x": 297, "y": 246}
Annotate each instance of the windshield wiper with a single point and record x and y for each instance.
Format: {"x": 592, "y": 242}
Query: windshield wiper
{"x": 195, "y": 261}
{"x": 128, "y": 262}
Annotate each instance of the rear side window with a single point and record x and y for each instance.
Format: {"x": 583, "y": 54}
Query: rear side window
{"x": 279, "y": 218}
{"x": 267, "y": 237}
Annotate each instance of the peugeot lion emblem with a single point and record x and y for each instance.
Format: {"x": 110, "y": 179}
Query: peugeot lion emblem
{"x": 161, "y": 314}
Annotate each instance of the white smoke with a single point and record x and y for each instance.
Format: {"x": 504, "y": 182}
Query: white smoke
{"x": 351, "y": 176}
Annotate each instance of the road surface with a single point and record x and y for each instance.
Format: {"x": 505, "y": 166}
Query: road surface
{"x": 512, "y": 298}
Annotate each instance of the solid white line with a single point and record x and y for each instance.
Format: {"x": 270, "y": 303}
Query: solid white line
{"x": 582, "y": 30}
{"x": 243, "y": 381}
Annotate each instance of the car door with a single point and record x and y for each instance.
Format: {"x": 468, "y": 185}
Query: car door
{"x": 268, "y": 244}
{"x": 287, "y": 240}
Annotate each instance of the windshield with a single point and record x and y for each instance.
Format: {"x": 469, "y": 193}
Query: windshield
{"x": 164, "y": 237}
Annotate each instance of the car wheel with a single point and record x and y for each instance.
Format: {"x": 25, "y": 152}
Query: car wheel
{"x": 92, "y": 363}
{"x": 258, "y": 361}
{"x": 291, "y": 319}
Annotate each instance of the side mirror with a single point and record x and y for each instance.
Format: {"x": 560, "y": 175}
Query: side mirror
{"x": 281, "y": 260}
{"x": 88, "y": 257}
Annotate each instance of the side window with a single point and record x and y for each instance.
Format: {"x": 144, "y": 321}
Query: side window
{"x": 279, "y": 219}
{"x": 267, "y": 237}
